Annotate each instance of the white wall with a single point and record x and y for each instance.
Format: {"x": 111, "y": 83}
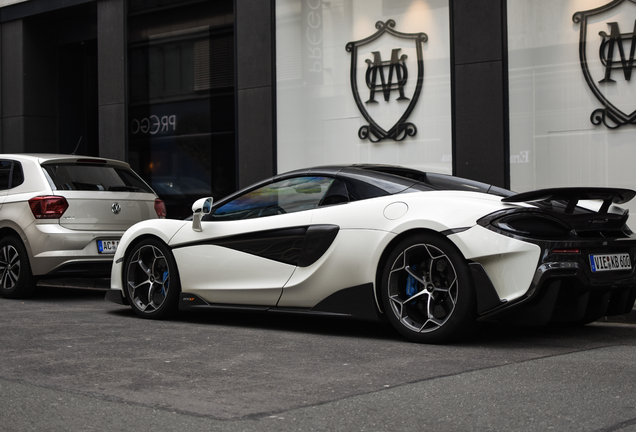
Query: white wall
{"x": 318, "y": 119}
{"x": 552, "y": 140}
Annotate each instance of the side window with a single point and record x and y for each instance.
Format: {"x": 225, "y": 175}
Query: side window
{"x": 285, "y": 196}
{"x": 337, "y": 194}
{"x": 17, "y": 175}
{"x": 10, "y": 174}
{"x": 349, "y": 189}
{"x": 360, "y": 191}
{"x": 5, "y": 174}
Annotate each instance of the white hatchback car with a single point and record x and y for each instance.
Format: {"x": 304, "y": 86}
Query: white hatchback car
{"x": 63, "y": 216}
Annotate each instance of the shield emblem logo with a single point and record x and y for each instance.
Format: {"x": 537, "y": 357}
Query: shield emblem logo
{"x": 607, "y": 43}
{"x": 387, "y": 73}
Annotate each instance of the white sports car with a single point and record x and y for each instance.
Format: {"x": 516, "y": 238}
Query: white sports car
{"x": 433, "y": 254}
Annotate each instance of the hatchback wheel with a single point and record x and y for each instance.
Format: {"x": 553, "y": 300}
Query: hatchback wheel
{"x": 16, "y": 279}
{"x": 152, "y": 280}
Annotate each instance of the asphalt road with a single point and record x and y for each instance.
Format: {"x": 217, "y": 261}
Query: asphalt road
{"x": 70, "y": 361}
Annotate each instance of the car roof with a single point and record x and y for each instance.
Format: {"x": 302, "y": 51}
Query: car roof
{"x": 395, "y": 179}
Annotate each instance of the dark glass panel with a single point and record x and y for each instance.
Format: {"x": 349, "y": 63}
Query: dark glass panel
{"x": 181, "y": 93}
{"x": 5, "y": 174}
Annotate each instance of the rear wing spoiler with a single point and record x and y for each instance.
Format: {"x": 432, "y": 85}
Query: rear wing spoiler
{"x": 573, "y": 195}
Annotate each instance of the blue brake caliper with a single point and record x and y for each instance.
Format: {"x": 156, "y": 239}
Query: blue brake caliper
{"x": 163, "y": 286}
{"x": 411, "y": 284}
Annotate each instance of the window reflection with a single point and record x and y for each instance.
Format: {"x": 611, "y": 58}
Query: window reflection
{"x": 181, "y": 99}
{"x": 287, "y": 196}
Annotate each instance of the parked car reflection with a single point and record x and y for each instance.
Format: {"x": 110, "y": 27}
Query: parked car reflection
{"x": 178, "y": 193}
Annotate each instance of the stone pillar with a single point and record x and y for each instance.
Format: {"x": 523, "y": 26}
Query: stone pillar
{"x": 256, "y": 114}
{"x": 480, "y": 91}
{"x": 28, "y": 89}
{"x": 111, "y": 72}
{"x": 12, "y": 88}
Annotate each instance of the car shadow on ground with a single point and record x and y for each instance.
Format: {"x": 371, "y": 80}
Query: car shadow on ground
{"x": 487, "y": 334}
{"x": 57, "y": 293}
{"x": 296, "y": 323}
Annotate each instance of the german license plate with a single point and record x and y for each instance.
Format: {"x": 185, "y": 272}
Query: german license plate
{"x": 107, "y": 246}
{"x": 610, "y": 262}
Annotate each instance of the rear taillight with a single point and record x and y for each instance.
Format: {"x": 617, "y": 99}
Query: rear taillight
{"x": 48, "y": 207}
{"x": 160, "y": 209}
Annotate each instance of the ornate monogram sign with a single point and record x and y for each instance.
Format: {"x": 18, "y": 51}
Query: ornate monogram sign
{"x": 607, "y": 60}
{"x": 387, "y": 81}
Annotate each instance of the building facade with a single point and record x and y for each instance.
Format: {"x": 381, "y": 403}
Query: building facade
{"x": 203, "y": 97}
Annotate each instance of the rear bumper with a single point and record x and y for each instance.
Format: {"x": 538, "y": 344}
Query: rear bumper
{"x": 565, "y": 289}
{"x": 55, "y": 250}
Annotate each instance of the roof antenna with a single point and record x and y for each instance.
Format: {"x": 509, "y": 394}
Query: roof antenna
{"x": 76, "y": 147}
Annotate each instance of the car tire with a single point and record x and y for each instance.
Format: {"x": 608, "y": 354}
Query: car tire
{"x": 16, "y": 278}
{"x": 427, "y": 290}
{"x": 152, "y": 280}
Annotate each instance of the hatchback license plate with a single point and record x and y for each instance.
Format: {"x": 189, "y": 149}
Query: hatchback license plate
{"x": 610, "y": 262}
{"x": 107, "y": 246}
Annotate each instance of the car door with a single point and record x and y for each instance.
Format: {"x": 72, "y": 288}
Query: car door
{"x": 249, "y": 247}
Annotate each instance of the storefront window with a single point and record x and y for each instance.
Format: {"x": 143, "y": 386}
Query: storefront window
{"x": 571, "y": 93}
{"x": 362, "y": 81}
{"x": 181, "y": 99}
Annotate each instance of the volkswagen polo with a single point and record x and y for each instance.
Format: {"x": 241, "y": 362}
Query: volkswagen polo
{"x": 63, "y": 216}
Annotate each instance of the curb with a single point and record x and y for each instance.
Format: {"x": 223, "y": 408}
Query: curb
{"x": 629, "y": 318}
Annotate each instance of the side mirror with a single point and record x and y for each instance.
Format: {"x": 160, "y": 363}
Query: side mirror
{"x": 200, "y": 208}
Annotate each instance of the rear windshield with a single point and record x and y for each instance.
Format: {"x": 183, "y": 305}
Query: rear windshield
{"x": 87, "y": 177}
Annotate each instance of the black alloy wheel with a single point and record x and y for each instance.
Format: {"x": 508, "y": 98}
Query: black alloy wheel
{"x": 16, "y": 279}
{"x": 427, "y": 290}
{"x": 151, "y": 280}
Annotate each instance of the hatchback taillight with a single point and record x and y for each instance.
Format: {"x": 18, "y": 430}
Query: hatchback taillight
{"x": 160, "y": 209}
{"x": 48, "y": 207}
